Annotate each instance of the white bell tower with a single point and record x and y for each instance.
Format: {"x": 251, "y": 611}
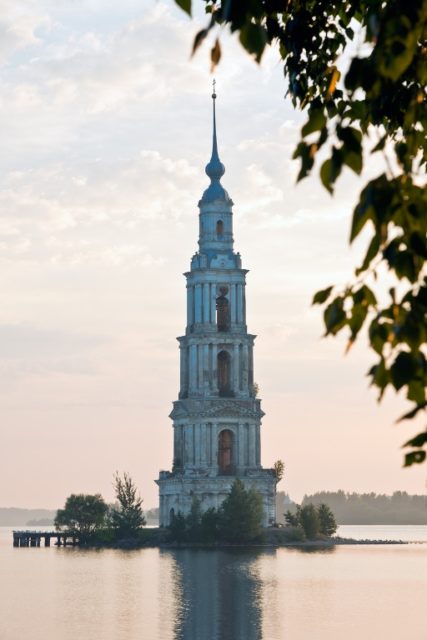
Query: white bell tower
{"x": 217, "y": 418}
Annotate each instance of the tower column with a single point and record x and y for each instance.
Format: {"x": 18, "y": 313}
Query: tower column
{"x": 200, "y": 382}
{"x": 239, "y": 304}
{"x": 190, "y": 303}
{"x": 245, "y": 367}
{"x": 206, "y": 314}
{"x": 241, "y": 445}
{"x": 198, "y": 303}
{"x": 212, "y": 288}
{"x": 251, "y": 368}
{"x": 183, "y": 369}
{"x": 252, "y": 446}
{"x": 206, "y": 369}
{"x": 193, "y": 368}
{"x": 233, "y": 301}
{"x": 197, "y": 444}
{"x": 203, "y": 447}
{"x": 214, "y": 369}
{"x": 236, "y": 372}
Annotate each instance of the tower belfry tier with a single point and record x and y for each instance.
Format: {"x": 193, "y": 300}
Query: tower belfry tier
{"x": 217, "y": 418}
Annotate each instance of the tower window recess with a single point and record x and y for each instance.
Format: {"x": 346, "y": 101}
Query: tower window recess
{"x": 222, "y": 310}
{"x": 219, "y": 228}
{"x": 225, "y": 452}
{"x": 224, "y": 374}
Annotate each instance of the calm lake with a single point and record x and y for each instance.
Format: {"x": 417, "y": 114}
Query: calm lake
{"x": 345, "y": 593}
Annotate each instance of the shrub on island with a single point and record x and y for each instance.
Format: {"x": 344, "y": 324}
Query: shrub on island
{"x": 314, "y": 521}
{"x": 93, "y": 522}
{"x": 237, "y": 521}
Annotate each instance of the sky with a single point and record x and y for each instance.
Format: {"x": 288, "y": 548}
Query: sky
{"x": 106, "y": 130}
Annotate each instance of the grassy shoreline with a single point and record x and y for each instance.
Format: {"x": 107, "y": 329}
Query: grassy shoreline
{"x": 156, "y": 541}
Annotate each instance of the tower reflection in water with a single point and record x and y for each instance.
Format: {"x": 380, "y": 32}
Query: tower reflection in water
{"x": 218, "y": 594}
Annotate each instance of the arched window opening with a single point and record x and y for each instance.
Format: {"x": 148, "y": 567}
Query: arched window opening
{"x": 223, "y": 310}
{"x": 225, "y": 452}
{"x": 171, "y": 515}
{"x": 224, "y": 374}
{"x": 219, "y": 228}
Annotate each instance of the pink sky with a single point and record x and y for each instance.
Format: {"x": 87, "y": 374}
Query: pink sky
{"x": 106, "y": 135}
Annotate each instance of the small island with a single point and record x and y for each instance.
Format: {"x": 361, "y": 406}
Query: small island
{"x": 88, "y": 521}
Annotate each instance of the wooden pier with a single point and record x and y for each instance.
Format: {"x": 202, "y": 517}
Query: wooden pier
{"x": 34, "y": 538}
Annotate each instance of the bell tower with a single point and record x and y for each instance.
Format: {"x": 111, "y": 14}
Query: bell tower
{"x": 217, "y": 418}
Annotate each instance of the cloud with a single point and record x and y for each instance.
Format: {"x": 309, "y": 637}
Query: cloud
{"x": 18, "y": 25}
{"x": 28, "y": 350}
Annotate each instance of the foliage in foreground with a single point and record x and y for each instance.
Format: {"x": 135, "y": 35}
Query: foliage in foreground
{"x": 313, "y": 520}
{"x": 238, "y": 520}
{"x": 377, "y": 103}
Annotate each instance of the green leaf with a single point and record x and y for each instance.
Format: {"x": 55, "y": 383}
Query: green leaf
{"x": 326, "y": 175}
{"x": 253, "y": 37}
{"x": 418, "y": 441}
{"x": 351, "y": 137}
{"x": 316, "y": 121}
{"x": 353, "y": 160}
{"x": 199, "y": 37}
{"x": 380, "y": 145}
{"x": 374, "y": 247}
{"x": 331, "y": 169}
{"x": 403, "y": 369}
{"x": 334, "y": 316}
{"x": 361, "y": 214}
{"x": 380, "y": 376}
{"x": 414, "y": 457}
{"x": 321, "y": 296}
{"x": 411, "y": 414}
{"x": 397, "y": 47}
{"x": 378, "y": 335}
{"x": 416, "y": 391}
{"x": 185, "y": 5}
{"x": 357, "y": 318}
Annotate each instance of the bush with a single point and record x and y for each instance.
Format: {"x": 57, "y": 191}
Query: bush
{"x": 127, "y": 518}
{"x": 241, "y": 515}
{"x": 83, "y": 515}
{"x": 239, "y": 520}
{"x": 315, "y": 521}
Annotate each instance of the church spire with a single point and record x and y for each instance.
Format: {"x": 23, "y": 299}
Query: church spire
{"x": 215, "y": 169}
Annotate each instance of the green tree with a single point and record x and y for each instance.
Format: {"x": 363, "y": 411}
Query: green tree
{"x": 178, "y": 527}
{"x": 241, "y": 514}
{"x": 372, "y": 100}
{"x": 194, "y": 520}
{"x": 127, "y": 518}
{"x": 312, "y": 519}
{"x": 209, "y": 526}
{"x": 309, "y": 520}
{"x": 82, "y": 515}
{"x": 327, "y": 522}
{"x": 293, "y": 519}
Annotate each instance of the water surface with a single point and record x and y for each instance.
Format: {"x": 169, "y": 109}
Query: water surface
{"x": 348, "y": 592}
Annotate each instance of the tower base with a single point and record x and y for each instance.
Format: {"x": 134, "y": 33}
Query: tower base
{"x": 177, "y": 490}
